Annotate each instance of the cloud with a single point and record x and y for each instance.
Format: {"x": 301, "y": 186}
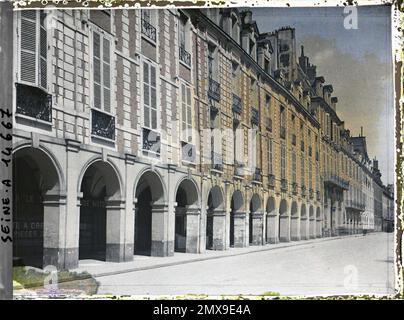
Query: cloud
{"x": 363, "y": 84}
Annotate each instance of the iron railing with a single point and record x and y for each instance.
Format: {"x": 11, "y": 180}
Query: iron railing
{"x": 283, "y": 132}
{"x": 236, "y": 106}
{"x": 214, "y": 90}
{"x": 151, "y": 141}
{"x": 271, "y": 180}
{"x": 257, "y": 176}
{"x": 185, "y": 56}
{"x": 102, "y": 124}
{"x": 284, "y": 185}
{"x": 336, "y": 181}
{"x": 148, "y": 30}
{"x": 216, "y": 161}
{"x": 255, "y": 117}
{"x": 34, "y": 102}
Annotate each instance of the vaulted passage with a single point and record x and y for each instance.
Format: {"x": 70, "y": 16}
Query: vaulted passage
{"x": 284, "y": 222}
{"x": 294, "y": 222}
{"x": 255, "y": 221}
{"x": 150, "y": 211}
{"x": 35, "y": 181}
{"x": 101, "y": 194}
{"x": 304, "y": 223}
{"x": 187, "y": 214}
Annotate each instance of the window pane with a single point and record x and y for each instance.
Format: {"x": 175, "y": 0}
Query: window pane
{"x": 96, "y": 45}
{"x": 146, "y": 95}
{"x": 154, "y": 119}
{"x": 153, "y": 76}
{"x": 107, "y": 76}
{"x": 146, "y": 112}
{"x": 145, "y": 73}
{"x": 107, "y": 100}
{"x": 106, "y": 51}
{"x": 153, "y": 99}
{"x": 97, "y": 95}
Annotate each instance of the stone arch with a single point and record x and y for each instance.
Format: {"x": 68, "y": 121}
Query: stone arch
{"x": 215, "y": 219}
{"x": 101, "y": 206}
{"x": 237, "y": 220}
{"x": 255, "y": 221}
{"x": 151, "y": 209}
{"x": 304, "y": 223}
{"x": 187, "y": 213}
{"x": 38, "y": 198}
{"x": 312, "y": 223}
{"x": 294, "y": 222}
{"x": 284, "y": 221}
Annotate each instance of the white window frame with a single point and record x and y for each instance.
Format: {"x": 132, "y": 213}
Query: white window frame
{"x": 188, "y": 135}
{"x": 103, "y": 34}
{"x": 37, "y": 82}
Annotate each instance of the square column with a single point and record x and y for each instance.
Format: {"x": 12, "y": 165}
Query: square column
{"x": 257, "y": 228}
{"x": 284, "y": 232}
{"x": 115, "y": 246}
{"x": 160, "y": 246}
{"x": 295, "y": 228}
{"x": 239, "y": 229}
{"x": 304, "y": 228}
{"x": 319, "y": 232}
{"x": 193, "y": 215}
{"x": 272, "y": 229}
{"x": 312, "y": 228}
{"x": 54, "y": 250}
{"x": 219, "y": 229}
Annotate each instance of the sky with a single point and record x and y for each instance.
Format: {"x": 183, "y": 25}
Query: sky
{"x": 357, "y": 62}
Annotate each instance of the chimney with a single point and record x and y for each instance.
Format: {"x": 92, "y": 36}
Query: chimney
{"x": 375, "y": 164}
{"x": 247, "y": 17}
{"x": 334, "y": 101}
{"x": 361, "y": 131}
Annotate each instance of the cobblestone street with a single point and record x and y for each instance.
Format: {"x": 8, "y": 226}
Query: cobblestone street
{"x": 361, "y": 264}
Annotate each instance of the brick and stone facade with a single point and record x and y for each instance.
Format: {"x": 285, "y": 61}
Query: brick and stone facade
{"x": 155, "y": 131}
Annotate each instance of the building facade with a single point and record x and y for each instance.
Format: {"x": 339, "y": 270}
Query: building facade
{"x": 156, "y": 131}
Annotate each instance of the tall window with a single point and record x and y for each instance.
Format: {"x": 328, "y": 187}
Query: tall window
{"x": 186, "y": 115}
{"x": 33, "y": 48}
{"x": 293, "y": 167}
{"x": 212, "y": 61}
{"x": 283, "y": 161}
{"x": 149, "y": 96}
{"x": 101, "y": 71}
{"x": 310, "y": 175}
{"x": 182, "y": 35}
{"x": 270, "y": 157}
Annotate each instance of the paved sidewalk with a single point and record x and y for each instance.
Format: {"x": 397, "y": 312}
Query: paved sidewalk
{"x": 101, "y": 268}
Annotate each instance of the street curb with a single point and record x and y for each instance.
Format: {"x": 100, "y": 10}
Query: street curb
{"x": 261, "y": 249}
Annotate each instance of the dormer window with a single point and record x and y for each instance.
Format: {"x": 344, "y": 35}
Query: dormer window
{"x": 235, "y": 29}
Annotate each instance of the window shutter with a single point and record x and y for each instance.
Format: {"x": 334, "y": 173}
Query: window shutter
{"x": 28, "y": 63}
{"x": 107, "y": 74}
{"x": 43, "y": 52}
{"x": 97, "y": 69}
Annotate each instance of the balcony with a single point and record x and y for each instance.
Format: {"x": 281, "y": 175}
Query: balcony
{"x": 34, "y": 103}
{"x": 214, "y": 90}
{"x": 303, "y": 190}
{"x": 257, "y": 176}
{"x": 216, "y": 161}
{"x": 148, "y": 30}
{"x": 238, "y": 168}
{"x": 151, "y": 141}
{"x": 302, "y": 146}
{"x": 311, "y": 193}
{"x": 355, "y": 205}
{"x": 188, "y": 152}
{"x": 185, "y": 56}
{"x": 284, "y": 185}
{"x": 271, "y": 181}
{"x": 255, "y": 116}
{"x": 269, "y": 124}
{"x": 283, "y": 132}
{"x": 334, "y": 180}
{"x": 310, "y": 151}
{"x": 294, "y": 139}
{"x": 236, "y": 106}
{"x": 294, "y": 188}
{"x": 102, "y": 125}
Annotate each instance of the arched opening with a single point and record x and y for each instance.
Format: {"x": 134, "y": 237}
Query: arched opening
{"x": 304, "y": 231}
{"x": 270, "y": 227}
{"x": 149, "y": 194}
{"x": 254, "y": 226}
{"x": 312, "y": 223}
{"x": 187, "y": 207}
{"x": 215, "y": 216}
{"x": 237, "y": 220}
{"x": 284, "y": 225}
{"x": 294, "y": 222}
{"x": 99, "y": 186}
{"x": 34, "y": 176}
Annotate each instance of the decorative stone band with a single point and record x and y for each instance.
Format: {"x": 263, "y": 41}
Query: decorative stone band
{"x": 239, "y": 215}
{"x": 54, "y": 199}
